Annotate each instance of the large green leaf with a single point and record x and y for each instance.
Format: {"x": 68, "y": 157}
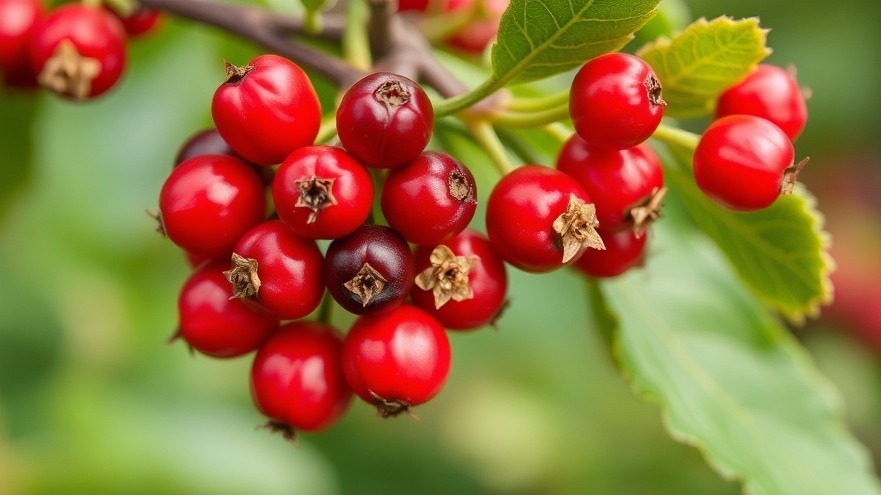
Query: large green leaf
{"x": 779, "y": 252}
{"x": 541, "y": 38}
{"x": 728, "y": 377}
{"x": 703, "y": 60}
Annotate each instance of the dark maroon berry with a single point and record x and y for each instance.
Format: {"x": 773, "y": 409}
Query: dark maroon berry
{"x": 369, "y": 271}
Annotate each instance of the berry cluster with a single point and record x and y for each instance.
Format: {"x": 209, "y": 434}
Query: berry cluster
{"x": 248, "y": 202}
{"x": 745, "y": 158}
{"x": 75, "y": 50}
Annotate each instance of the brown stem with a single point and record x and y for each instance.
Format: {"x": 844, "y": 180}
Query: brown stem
{"x": 265, "y": 28}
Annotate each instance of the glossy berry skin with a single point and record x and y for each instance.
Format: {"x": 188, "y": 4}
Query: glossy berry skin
{"x": 377, "y": 265}
{"x": 211, "y": 322}
{"x": 322, "y": 192}
{"x": 625, "y": 249}
{"x": 89, "y": 39}
{"x": 615, "y": 101}
{"x": 520, "y": 214}
{"x": 740, "y": 162}
{"x": 297, "y": 377}
{"x": 208, "y": 202}
{"x": 769, "y": 92}
{"x": 288, "y": 267}
{"x": 397, "y": 359}
{"x": 266, "y": 109}
{"x": 616, "y": 180}
{"x": 429, "y": 199}
{"x": 488, "y": 280}
{"x": 18, "y": 19}
{"x": 385, "y": 120}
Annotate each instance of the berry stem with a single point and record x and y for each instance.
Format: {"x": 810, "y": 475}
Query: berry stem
{"x": 327, "y": 131}
{"x": 355, "y": 44}
{"x": 455, "y": 104}
{"x": 673, "y": 136}
{"x": 532, "y": 104}
{"x": 494, "y": 148}
{"x": 325, "y": 311}
{"x": 534, "y": 118}
{"x": 558, "y": 131}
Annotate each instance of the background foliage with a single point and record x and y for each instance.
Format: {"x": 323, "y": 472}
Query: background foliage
{"x": 92, "y": 401}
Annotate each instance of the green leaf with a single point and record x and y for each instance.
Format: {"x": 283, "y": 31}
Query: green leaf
{"x": 541, "y": 38}
{"x": 779, "y": 252}
{"x": 703, "y": 60}
{"x": 730, "y": 380}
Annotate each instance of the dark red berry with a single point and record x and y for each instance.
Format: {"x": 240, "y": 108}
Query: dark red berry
{"x": 208, "y": 202}
{"x": 213, "y": 323}
{"x": 322, "y": 192}
{"x": 297, "y": 378}
{"x": 385, "y": 120}
{"x": 370, "y": 270}
{"x": 277, "y": 272}
{"x": 624, "y": 250}
{"x": 461, "y": 282}
{"x": 771, "y": 93}
{"x": 744, "y": 163}
{"x": 396, "y": 360}
{"x": 429, "y": 199}
{"x": 615, "y": 101}
{"x": 78, "y": 51}
{"x": 625, "y": 185}
{"x": 266, "y": 109}
{"x": 18, "y": 20}
{"x": 140, "y": 21}
{"x": 204, "y": 142}
{"x": 540, "y": 219}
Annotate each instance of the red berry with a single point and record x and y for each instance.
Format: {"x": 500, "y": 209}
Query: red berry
{"x": 18, "y": 20}
{"x": 481, "y": 28}
{"x": 266, "y": 109}
{"x": 412, "y": 5}
{"x": 205, "y": 142}
{"x": 385, "y": 120}
{"x": 78, "y": 51}
{"x": 139, "y": 21}
{"x": 624, "y": 250}
{"x": 741, "y": 162}
{"x": 430, "y": 199}
{"x": 322, "y": 192}
{"x": 214, "y": 324}
{"x": 540, "y": 219}
{"x": 297, "y": 378}
{"x": 208, "y": 202}
{"x": 370, "y": 270}
{"x": 277, "y": 272}
{"x": 615, "y": 101}
{"x": 397, "y": 359}
{"x": 462, "y": 282}
{"x": 625, "y": 185}
{"x": 771, "y": 93}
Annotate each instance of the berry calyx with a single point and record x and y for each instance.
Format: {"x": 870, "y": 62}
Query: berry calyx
{"x": 447, "y": 277}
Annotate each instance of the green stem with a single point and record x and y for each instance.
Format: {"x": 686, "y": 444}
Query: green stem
{"x": 325, "y": 311}
{"x": 460, "y": 102}
{"x": 558, "y": 131}
{"x": 355, "y": 45}
{"x": 313, "y": 22}
{"x": 327, "y": 130}
{"x": 524, "y": 104}
{"x": 492, "y": 145}
{"x": 676, "y": 137}
{"x": 535, "y": 118}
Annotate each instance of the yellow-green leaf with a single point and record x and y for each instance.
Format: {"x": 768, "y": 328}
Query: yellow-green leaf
{"x": 706, "y": 58}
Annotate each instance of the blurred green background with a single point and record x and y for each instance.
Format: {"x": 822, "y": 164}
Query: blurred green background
{"x": 92, "y": 400}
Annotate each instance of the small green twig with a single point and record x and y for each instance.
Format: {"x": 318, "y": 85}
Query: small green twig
{"x": 532, "y": 104}
{"x": 492, "y": 145}
{"x": 558, "y": 131}
{"x": 535, "y": 118}
{"x": 355, "y": 45}
{"x": 327, "y": 131}
{"x": 325, "y": 311}
{"x": 313, "y": 22}
{"x": 676, "y": 137}
{"x": 465, "y": 100}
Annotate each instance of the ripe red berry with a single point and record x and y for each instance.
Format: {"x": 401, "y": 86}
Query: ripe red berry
{"x": 461, "y": 282}
{"x": 625, "y": 185}
{"x": 769, "y": 92}
{"x": 277, "y": 272}
{"x": 624, "y": 250}
{"x": 266, "y": 109}
{"x": 322, "y": 192}
{"x": 385, "y": 120}
{"x": 742, "y": 162}
{"x": 297, "y": 378}
{"x": 370, "y": 270}
{"x": 139, "y": 21}
{"x": 18, "y": 20}
{"x": 615, "y": 101}
{"x": 213, "y": 323}
{"x": 429, "y": 199}
{"x": 78, "y": 51}
{"x": 540, "y": 219}
{"x": 396, "y": 360}
{"x": 208, "y": 202}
